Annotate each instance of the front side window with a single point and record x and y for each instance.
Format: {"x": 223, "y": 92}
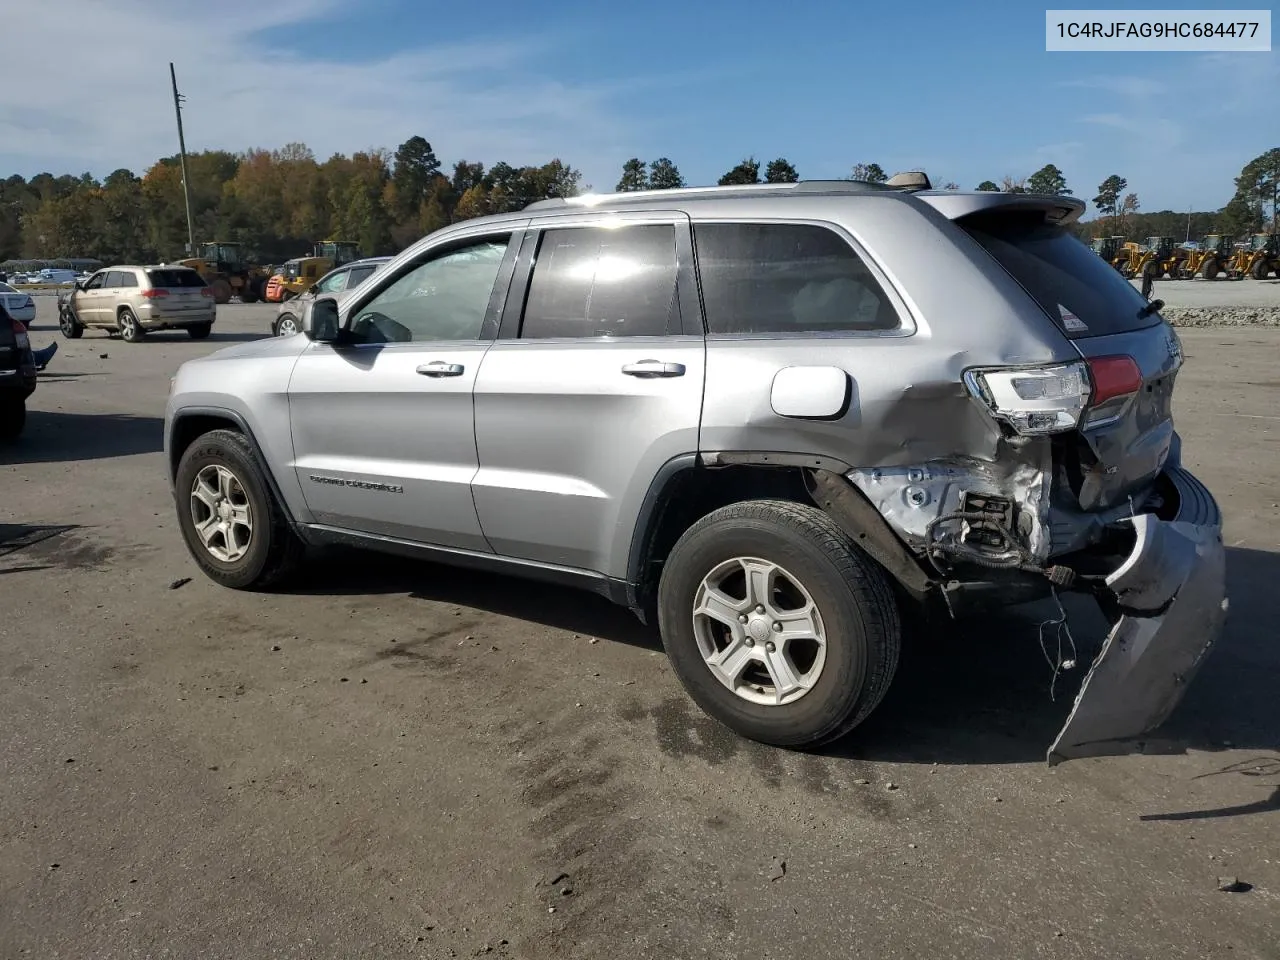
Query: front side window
{"x": 113, "y": 280}
{"x": 335, "y": 282}
{"x": 444, "y": 298}
{"x": 603, "y": 282}
{"x": 95, "y": 282}
{"x": 786, "y": 279}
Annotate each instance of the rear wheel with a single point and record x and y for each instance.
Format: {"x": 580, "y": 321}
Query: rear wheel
{"x": 130, "y": 330}
{"x": 1259, "y": 270}
{"x": 221, "y": 290}
{"x": 13, "y": 417}
{"x": 199, "y": 331}
{"x": 776, "y": 624}
{"x": 235, "y": 530}
{"x": 249, "y": 294}
{"x": 1209, "y": 270}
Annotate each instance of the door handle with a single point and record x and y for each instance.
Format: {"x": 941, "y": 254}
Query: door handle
{"x": 441, "y": 368}
{"x": 653, "y": 368}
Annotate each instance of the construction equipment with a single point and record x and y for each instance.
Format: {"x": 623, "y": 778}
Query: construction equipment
{"x": 1160, "y": 257}
{"x": 1261, "y": 257}
{"x": 297, "y": 275}
{"x": 1111, "y": 249}
{"x": 1205, "y": 258}
{"x": 228, "y": 271}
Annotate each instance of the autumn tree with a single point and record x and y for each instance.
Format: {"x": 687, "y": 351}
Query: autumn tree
{"x": 748, "y": 171}
{"x": 780, "y": 171}
{"x": 635, "y": 176}
{"x": 1048, "y": 179}
{"x": 664, "y": 175}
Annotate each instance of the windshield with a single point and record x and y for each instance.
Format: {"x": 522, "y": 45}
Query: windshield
{"x": 1084, "y": 295}
{"x": 292, "y": 269}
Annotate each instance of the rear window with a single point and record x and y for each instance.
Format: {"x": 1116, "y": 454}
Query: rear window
{"x": 175, "y": 278}
{"x": 1085, "y": 295}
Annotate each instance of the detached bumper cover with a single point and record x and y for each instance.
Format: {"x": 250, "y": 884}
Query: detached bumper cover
{"x": 1172, "y": 589}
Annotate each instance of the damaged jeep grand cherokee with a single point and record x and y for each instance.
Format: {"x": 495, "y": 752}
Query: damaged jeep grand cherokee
{"x": 775, "y": 416}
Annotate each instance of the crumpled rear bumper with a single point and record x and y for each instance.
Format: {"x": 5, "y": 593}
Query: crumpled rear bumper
{"x": 1172, "y": 594}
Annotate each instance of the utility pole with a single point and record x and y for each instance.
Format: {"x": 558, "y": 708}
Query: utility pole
{"x": 182, "y": 157}
{"x": 1188, "y": 240}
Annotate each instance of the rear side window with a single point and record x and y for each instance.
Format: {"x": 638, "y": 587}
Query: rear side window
{"x": 603, "y": 282}
{"x": 128, "y": 278}
{"x": 175, "y": 278}
{"x": 1085, "y": 296}
{"x": 785, "y": 279}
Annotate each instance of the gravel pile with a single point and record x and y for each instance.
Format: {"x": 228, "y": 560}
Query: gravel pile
{"x": 1222, "y": 316}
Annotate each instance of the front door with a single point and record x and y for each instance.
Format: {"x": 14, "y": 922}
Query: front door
{"x": 383, "y": 426}
{"x": 89, "y": 302}
{"x": 594, "y": 383}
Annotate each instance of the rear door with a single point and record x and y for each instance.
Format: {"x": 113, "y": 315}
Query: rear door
{"x": 383, "y": 427}
{"x": 594, "y": 383}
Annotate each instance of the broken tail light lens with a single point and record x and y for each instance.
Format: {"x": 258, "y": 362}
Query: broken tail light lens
{"x": 1034, "y": 401}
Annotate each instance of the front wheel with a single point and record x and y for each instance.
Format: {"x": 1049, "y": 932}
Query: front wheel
{"x": 232, "y": 525}
{"x": 776, "y": 624}
{"x": 130, "y": 329}
{"x": 286, "y": 325}
{"x": 13, "y": 417}
{"x": 1259, "y": 270}
{"x": 71, "y": 328}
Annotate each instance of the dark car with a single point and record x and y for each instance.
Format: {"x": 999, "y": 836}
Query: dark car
{"x": 17, "y": 375}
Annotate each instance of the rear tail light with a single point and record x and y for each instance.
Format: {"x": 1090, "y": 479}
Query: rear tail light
{"x": 28, "y": 303}
{"x": 1115, "y": 381}
{"x": 153, "y": 294}
{"x": 1033, "y": 400}
{"x": 206, "y": 292}
{"x": 20, "y": 338}
{"x": 1036, "y": 401}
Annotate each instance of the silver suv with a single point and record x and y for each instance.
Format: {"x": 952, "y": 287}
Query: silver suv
{"x": 777, "y": 417}
{"x": 293, "y": 314}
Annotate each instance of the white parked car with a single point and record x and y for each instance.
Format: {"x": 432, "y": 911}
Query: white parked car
{"x": 19, "y": 305}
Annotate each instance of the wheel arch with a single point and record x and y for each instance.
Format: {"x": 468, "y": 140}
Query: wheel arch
{"x": 688, "y": 487}
{"x": 191, "y": 423}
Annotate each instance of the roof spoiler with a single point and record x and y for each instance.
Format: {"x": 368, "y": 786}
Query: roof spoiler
{"x": 1056, "y": 210}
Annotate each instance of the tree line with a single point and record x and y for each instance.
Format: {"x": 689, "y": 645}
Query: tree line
{"x": 277, "y": 202}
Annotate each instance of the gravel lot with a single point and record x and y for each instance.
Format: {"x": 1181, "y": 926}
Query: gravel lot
{"x": 395, "y": 759}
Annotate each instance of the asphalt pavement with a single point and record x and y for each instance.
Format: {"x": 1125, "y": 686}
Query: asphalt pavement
{"x": 393, "y": 758}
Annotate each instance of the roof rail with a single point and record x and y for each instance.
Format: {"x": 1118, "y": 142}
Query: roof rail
{"x": 730, "y": 190}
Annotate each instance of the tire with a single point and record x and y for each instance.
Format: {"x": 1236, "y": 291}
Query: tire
{"x": 1152, "y": 270}
{"x": 71, "y": 328}
{"x": 249, "y": 295}
{"x": 856, "y": 611}
{"x": 1209, "y": 270}
{"x": 271, "y": 551}
{"x": 130, "y": 329}
{"x": 221, "y": 290}
{"x": 13, "y": 417}
{"x": 199, "y": 331}
{"x": 286, "y": 325}
{"x": 1259, "y": 270}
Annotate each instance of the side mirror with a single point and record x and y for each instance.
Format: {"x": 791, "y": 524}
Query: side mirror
{"x": 324, "y": 327}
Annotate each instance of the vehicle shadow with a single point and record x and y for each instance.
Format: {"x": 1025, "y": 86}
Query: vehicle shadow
{"x": 55, "y": 436}
{"x": 981, "y": 691}
{"x": 342, "y": 571}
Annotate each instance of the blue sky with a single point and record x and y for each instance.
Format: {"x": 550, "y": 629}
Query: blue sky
{"x": 965, "y": 91}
